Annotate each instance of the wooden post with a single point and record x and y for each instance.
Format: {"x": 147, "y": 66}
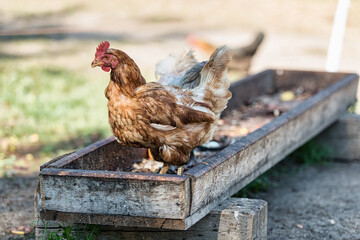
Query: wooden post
{"x": 337, "y": 36}
{"x": 235, "y": 218}
{"x": 343, "y": 138}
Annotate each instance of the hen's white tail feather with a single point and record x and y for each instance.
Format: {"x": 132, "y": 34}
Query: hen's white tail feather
{"x": 171, "y": 70}
{"x": 214, "y": 83}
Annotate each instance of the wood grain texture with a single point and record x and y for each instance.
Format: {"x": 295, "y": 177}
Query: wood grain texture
{"x": 107, "y": 154}
{"x": 235, "y": 218}
{"x": 309, "y": 80}
{"x": 231, "y": 169}
{"x": 113, "y": 193}
{"x": 343, "y": 138}
{"x": 76, "y": 187}
{"x": 112, "y": 220}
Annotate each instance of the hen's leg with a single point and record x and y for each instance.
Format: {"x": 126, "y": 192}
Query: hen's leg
{"x": 165, "y": 168}
{"x": 150, "y": 156}
{"x": 180, "y": 170}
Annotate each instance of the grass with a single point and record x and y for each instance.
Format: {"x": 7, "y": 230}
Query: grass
{"x": 68, "y": 233}
{"x": 310, "y": 154}
{"x": 354, "y": 108}
{"x": 43, "y": 100}
{"x": 46, "y": 111}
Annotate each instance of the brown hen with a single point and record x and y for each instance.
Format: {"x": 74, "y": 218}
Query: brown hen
{"x": 170, "y": 119}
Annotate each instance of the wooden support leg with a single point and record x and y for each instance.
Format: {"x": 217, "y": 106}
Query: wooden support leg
{"x": 235, "y": 218}
{"x": 343, "y": 138}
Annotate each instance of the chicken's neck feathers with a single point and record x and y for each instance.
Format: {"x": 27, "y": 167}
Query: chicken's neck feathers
{"x": 126, "y": 78}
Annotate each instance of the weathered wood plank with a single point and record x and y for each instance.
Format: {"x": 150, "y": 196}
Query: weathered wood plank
{"x": 112, "y": 220}
{"x": 251, "y": 87}
{"x": 235, "y": 218}
{"x": 343, "y": 138}
{"x": 231, "y": 169}
{"x": 101, "y": 192}
{"x": 309, "y": 80}
{"x": 95, "y": 155}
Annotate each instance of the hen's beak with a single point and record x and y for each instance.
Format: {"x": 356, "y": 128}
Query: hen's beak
{"x": 96, "y": 63}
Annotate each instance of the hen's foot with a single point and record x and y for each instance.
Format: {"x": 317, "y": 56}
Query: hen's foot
{"x": 180, "y": 170}
{"x": 165, "y": 168}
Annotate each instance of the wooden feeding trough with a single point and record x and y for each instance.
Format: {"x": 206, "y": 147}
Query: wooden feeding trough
{"x": 87, "y": 187}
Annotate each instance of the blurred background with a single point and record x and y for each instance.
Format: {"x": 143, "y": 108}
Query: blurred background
{"x": 52, "y": 101}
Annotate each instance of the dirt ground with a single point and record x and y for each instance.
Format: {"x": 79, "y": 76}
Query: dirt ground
{"x": 318, "y": 202}
{"x": 16, "y": 204}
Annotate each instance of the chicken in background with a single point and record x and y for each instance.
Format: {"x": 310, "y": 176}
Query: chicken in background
{"x": 242, "y": 56}
{"x": 172, "y": 116}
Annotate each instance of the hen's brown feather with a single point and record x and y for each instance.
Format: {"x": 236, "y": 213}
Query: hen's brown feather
{"x": 169, "y": 120}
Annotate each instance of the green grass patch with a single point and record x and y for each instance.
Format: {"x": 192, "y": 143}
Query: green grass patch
{"x": 354, "y": 108}
{"x": 311, "y": 153}
{"x": 49, "y": 101}
{"x": 87, "y": 232}
{"x": 48, "y": 110}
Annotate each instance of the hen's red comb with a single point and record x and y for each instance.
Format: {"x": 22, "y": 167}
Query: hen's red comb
{"x": 103, "y": 46}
